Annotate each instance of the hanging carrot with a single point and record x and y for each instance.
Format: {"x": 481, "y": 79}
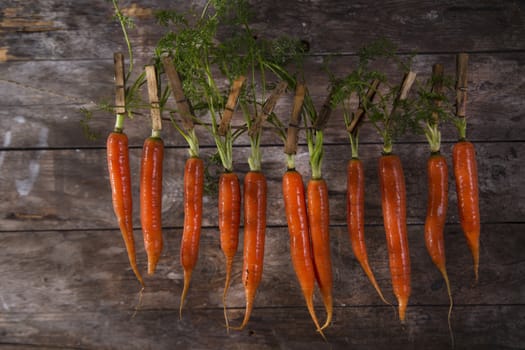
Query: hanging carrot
{"x": 318, "y": 219}
{"x": 355, "y": 193}
{"x": 319, "y": 209}
{"x": 437, "y": 172}
{"x": 466, "y": 174}
{"x": 300, "y": 246}
{"x": 229, "y": 221}
{"x": 393, "y": 203}
{"x": 120, "y": 179}
{"x": 254, "y": 237}
{"x": 296, "y": 210}
{"x": 193, "y": 180}
{"x": 393, "y": 195}
{"x": 119, "y": 169}
{"x": 355, "y": 218}
{"x": 151, "y": 199}
{"x": 229, "y": 205}
{"x": 151, "y": 179}
{"x": 189, "y": 250}
{"x": 465, "y": 169}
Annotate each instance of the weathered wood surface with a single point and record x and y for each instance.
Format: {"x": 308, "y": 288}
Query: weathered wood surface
{"x": 80, "y": 280}
{"x": 49, "y": 96}
{"x": 66, "y": 280}
{"x": 69, "y": 189}
{"x": 61, "y": 30}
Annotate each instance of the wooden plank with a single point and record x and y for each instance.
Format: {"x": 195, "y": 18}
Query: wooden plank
{"x": 47, "y": 83}
{"x": 80, "y": 271}
{"x": 44, "y": 97}
{"x": 86, "y": 29}
{"x": 289, "y": 328}
{"x": 70, "y": 188}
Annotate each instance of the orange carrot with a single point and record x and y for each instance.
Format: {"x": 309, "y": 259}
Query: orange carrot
{"x": 466, "y": 174}
{"x": 393, "y": 201}
{"x": 120, "y": 179}
{"x": 355, "y": 218}
{"x": 437, "y": 171}
{"x": 229, "y": 221}
{"x": 254, "y": 237}
{"x": 300, "y": 249}
{"x": 318, "y": 219}
{"x": 465, "y": 167}
{"x": 189, "y": 250}
{"x": 151, "y": 199}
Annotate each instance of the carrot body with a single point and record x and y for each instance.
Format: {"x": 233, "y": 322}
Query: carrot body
{"x": 298, "y": 227}
{"x": 151, "y": 199}
{"x": 355, "y": 218}
{"x": 466, "y": 174}
{"x": 319, "y": 221}
{"x": 393, "y": 202}
{"x": 437, "y": 171}
{"x": 254, "y": 236}
{"x": 189, "y": 250}
{"x": 120, "y": 180}
{"x": 229, "y": 221}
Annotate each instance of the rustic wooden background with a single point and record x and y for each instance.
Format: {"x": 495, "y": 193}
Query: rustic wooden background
{"x": 66, "y": 283}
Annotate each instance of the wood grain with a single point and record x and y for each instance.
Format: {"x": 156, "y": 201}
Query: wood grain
{"x": 81, "y": 281}
{"x": 45, "y": 98}
{"x": 66, "y": 279}
{"x": 70, "y": 189}
{"x": 60, "y": 31}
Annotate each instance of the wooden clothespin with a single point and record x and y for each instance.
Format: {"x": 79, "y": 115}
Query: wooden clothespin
{"x": 461, "y": 85}
{"x": 292, "y": 131}
{"x": 120, "y": 83}
{"x": 230, "y": 105}
{"x": 406, "y": 85}
{"x": 153, "y": 94}
{"x": 268, "y": 107}
{"x": 175, "y": 85}
{"x": 360, "y": 113}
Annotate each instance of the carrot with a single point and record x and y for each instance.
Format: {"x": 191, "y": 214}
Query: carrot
{"x": 437, "y": 172}
{"x": 254, "y": 237}
{"x": 298, "y": 227}
{"x": 120, "y": 180}
{"x": 393, "y": 202}
{"x": 229, "y": 220}
{"x": 151, "y": 199}
{"x": 319, "y": 220}
{"x": 355, "y": 218}
{"x": 193, "y": 179}
{"x": 118, "y": 167}
{"x": 393, "y": 192}
{"x": 317, "y": 203}
{"x": 465, "y": 168}
{"x": 189, "y": 250}
{"x": 466, "y": 175}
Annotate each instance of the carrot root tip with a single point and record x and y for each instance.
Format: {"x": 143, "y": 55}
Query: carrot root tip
{"x": 187, "y": 279}
{"x": 152, "y": 265}
{"x": 402, "y": 310}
